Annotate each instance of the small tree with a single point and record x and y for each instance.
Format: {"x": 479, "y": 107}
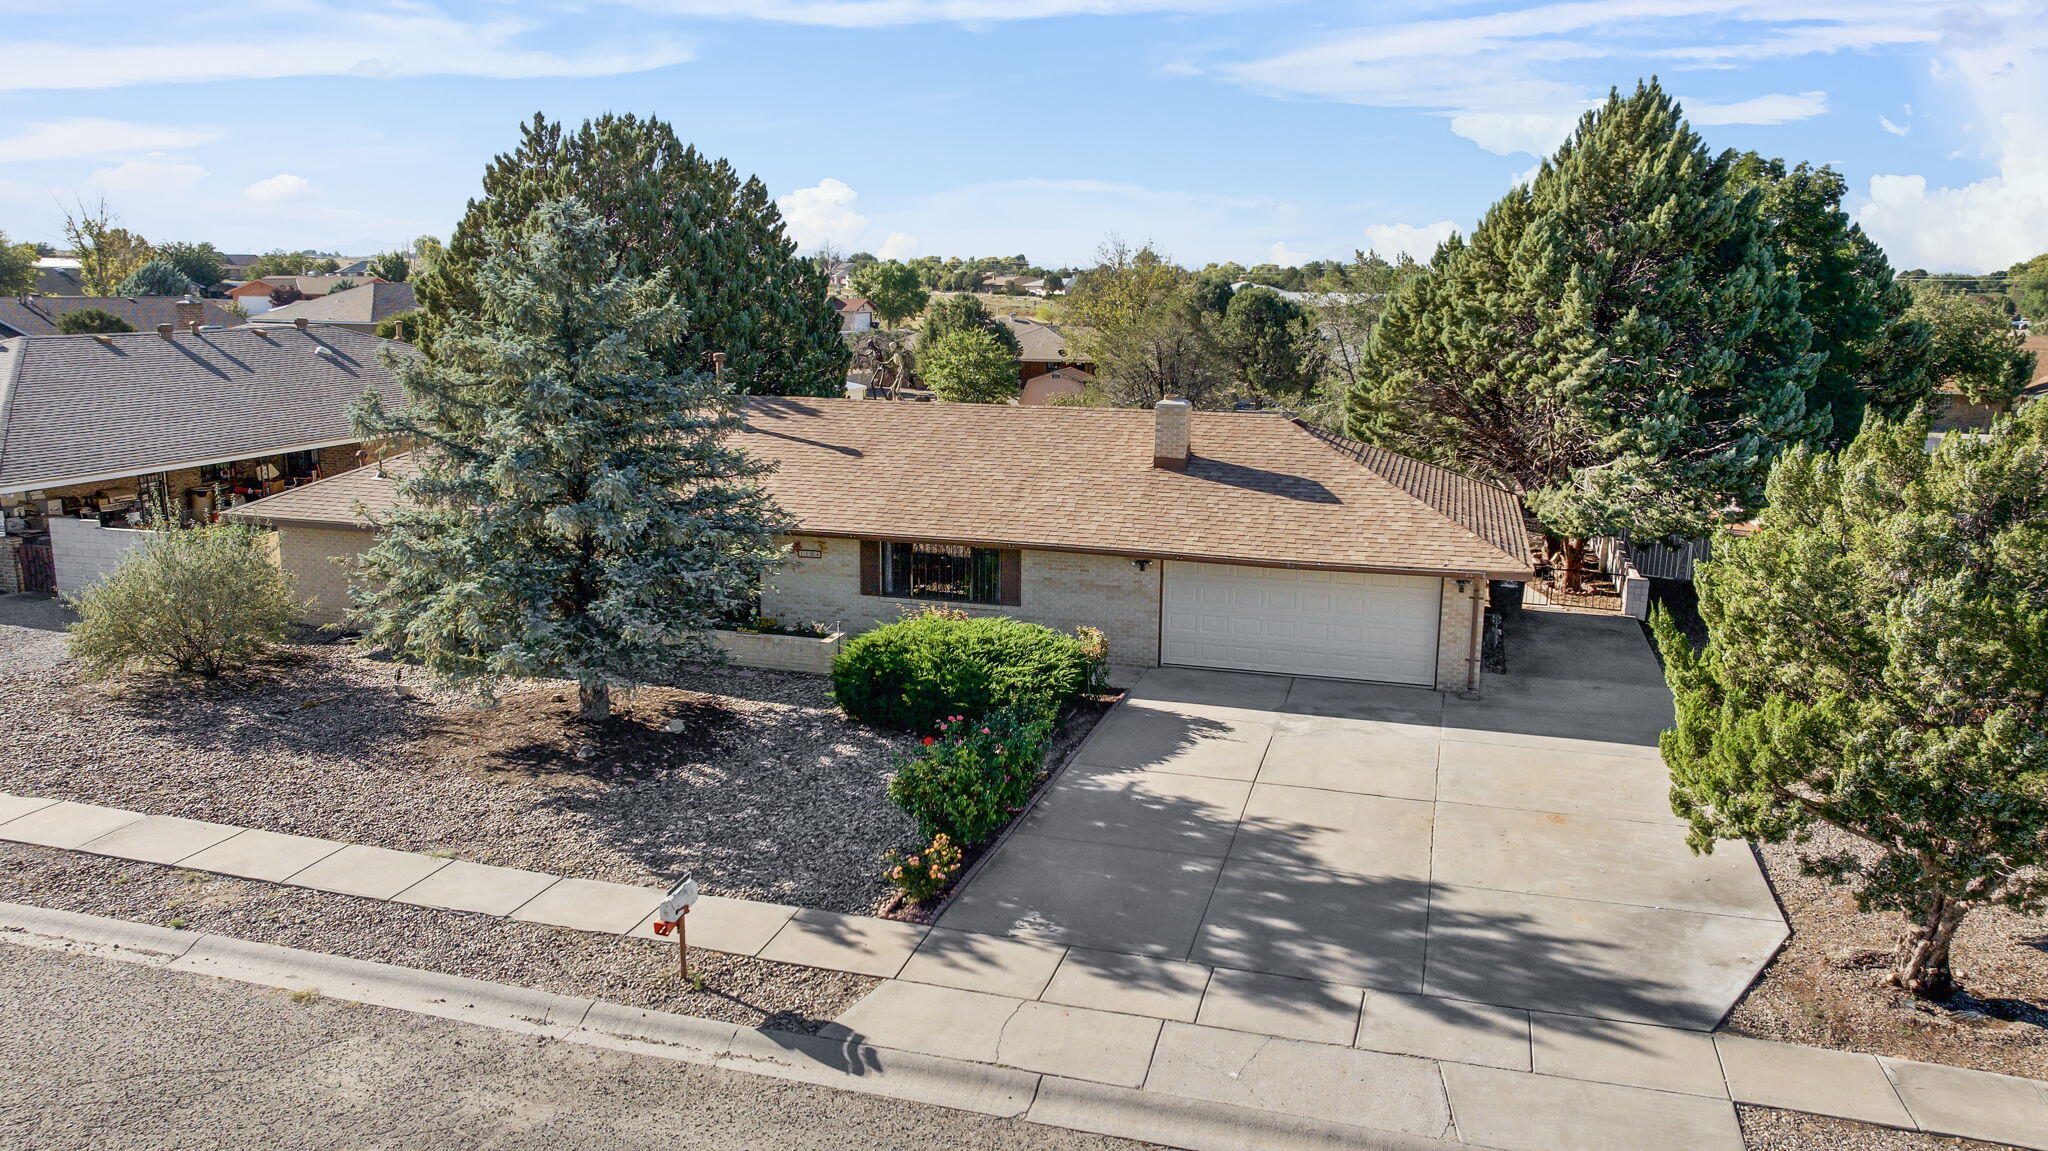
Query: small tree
{"x": 893, "y": 288}
{"x": 106, "y": 253}
{"x": 286, "y": 294}
{"x": 969, "y": 367}
{"x": 1877, "y": 661}
{"x": 157, "y": 278}
{"x": 580, "y": 510}
{"x": 341, "y": 285}
{"x": 956, "y": 313}
{"x": 392, "y": 267}
{"x": 1972, "y": 346}
{"x": 200, "y": 263}
{"x": 202, "y": 601}
{"x": 17, "y": 267}
{"x": 92, "y": 321}
{"x": 1271, "y": 344}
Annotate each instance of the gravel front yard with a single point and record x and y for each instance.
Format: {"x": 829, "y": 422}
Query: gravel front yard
{"x": 639, "y": 972}
{"x": 1766, "y": 1130}
{"x": 1825, "y": 988}
{"x": 766, "y": 793}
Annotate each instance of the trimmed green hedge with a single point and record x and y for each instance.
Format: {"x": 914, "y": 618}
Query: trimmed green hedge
{"x": 915, "y": 673}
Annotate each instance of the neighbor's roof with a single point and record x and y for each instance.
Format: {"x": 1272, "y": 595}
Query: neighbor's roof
{"x": 38, "y": 315}
{"x": 1261, "y": 488}
{"x": 851, "y": 304}
{"x": 312, "y": 286}
{"x": 362, "y": 304}
{"x": 1037, "y": 340}
{"x": 75, "y": 408}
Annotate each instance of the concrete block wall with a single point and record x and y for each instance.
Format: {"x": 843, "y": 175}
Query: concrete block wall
{"x": 1063, "y": 590}
{"x": 85, "y": 552}
{"x": 317, "y": 559}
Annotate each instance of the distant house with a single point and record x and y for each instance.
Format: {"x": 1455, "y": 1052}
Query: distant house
{"x": 59, "y": 281}
{"x": 1060, "y": 381}
{"x": 38, "y": 315}
{"x": 254, "y": 295}
{"x": 1003, "y": 283}
{"x": 1042, "y": 348}
{"x": 97, "y": 430}
{"x": 855, "y": 313}
{"x": 356, "y": 268}
{"x": 359, "y": 309}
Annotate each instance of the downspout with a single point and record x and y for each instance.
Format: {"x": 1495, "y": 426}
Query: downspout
{"x": 1473, "y": 658}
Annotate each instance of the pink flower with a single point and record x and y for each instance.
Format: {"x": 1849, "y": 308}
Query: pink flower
{"x": 984, "y": 731}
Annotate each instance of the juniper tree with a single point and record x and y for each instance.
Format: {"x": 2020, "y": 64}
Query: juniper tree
{"x": 1877, "y": 661}
{"x": 1615, "y": 341}
{"x": 664, "y": 207}
{"x": 952, "y": 313}
{"x": 1875, "y": 351}
{"x": 1271, "y": 344}
{"x": 968, "y": 366}
{"x": 580, "y": 509}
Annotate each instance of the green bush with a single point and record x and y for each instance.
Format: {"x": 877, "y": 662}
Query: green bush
{"x": 204, "y": 600}
{"x": 914, "y": 673}
{"x": 970, "y": 778}
{"x": 922, "y": 875}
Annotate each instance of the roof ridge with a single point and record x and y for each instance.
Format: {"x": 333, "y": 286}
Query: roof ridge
{"x": 1360, "y": 452}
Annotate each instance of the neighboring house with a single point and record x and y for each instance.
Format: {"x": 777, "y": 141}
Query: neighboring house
{"x": 354, "y": 268}
{"x": 1002, "y": 283}
{"x": 1042, "y": 348}
{"x": 1249, "y": 542}
{"x": 359, "y": 309}
{"x": 38, "y": 315}
{"x": 1060, "y": 381}
{"x": 236, "y": 265}
{"x": 855, "y": 313}
{"x": 254, "y": 295}
{"x": 95, "y": 430}
{"x": 59, "y": 281}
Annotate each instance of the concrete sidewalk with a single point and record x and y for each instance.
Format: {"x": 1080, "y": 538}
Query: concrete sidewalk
{"x": 1199, "y": 1086}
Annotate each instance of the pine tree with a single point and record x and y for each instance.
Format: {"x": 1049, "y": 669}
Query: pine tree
{"x": 1615, "y": 341}
{"x": 1875, "y": 352}
{"x": 666, "y": 207}
{"x": 1877, "y": 661}
{"x": 580, "y": 510}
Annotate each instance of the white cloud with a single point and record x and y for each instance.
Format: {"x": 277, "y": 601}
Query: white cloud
{"x": 1506, "y": 133}
{"x": 152, "y": 175}
{"x": 86, "y": 138}
{"x": 823, "y": 215}
{"x": 174, "y": 43}
{"x": 1285, "y": 256}
{"x": 887, "y": 13}
{"x": 278, "y": 189}
{"x": 1417, "y": 240}
{"x": 1885, "y": 122}
{"x": 2000, "y": 59}
{"x": 899, "y": 246}
{"x": 1777, "y": 108}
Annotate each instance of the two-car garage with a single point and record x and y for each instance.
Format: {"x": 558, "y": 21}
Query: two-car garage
{"x": 1290, "y": 621}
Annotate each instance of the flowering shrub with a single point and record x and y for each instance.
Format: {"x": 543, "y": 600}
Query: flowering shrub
{"x": 921, "y": 875}
{"x": 966, "y": 781}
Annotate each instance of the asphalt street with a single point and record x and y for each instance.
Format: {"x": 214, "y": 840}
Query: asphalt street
{"x": 102, "y": 1054}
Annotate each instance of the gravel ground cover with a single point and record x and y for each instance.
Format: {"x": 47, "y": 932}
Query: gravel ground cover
{"x": 1765, "y": 1129}
{"x": 1825, "y": 988}
{"x": 640, "y": 972}
{"x": 765, "y": 792}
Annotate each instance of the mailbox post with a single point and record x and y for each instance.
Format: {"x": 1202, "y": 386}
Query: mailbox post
{"x": 670, "y": 916}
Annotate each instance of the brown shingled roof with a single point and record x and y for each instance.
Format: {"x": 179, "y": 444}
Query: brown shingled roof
{"x": 1260, "y": 488}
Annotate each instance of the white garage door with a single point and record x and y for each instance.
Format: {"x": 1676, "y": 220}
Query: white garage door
{"x": 1343, "y": 625}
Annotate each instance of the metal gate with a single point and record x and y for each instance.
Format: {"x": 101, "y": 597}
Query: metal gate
{"x": 38, "y": 567}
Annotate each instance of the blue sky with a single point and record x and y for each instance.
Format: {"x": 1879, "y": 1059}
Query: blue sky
{"x": 1250, "y": 130}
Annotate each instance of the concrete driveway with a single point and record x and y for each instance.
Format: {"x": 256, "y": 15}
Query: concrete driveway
{"x": 1517, "y": 850}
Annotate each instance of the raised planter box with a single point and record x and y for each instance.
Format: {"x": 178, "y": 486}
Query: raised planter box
{"x": 780, "y": 652}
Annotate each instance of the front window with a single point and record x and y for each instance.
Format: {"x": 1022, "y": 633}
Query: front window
{"x": 942, "y": 572}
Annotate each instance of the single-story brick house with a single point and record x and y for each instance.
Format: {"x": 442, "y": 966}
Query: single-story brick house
{"x": 98, "y": 430}
{"x": 1244, "y": 541}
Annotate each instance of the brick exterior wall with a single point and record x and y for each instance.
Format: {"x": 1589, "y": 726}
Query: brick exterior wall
{"x": 1454, "y": 647}
{"x": 10, "y": 564}
{"x": 316, "y": 558}
{"x": 85, "y": 552}
{"x": 1063, "y": 590}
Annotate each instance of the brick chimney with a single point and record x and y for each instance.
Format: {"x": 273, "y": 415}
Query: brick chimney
{"x": 190, "y": 314}
{"x": 164, "y": 330}
{"x": 1170, "y": 433}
